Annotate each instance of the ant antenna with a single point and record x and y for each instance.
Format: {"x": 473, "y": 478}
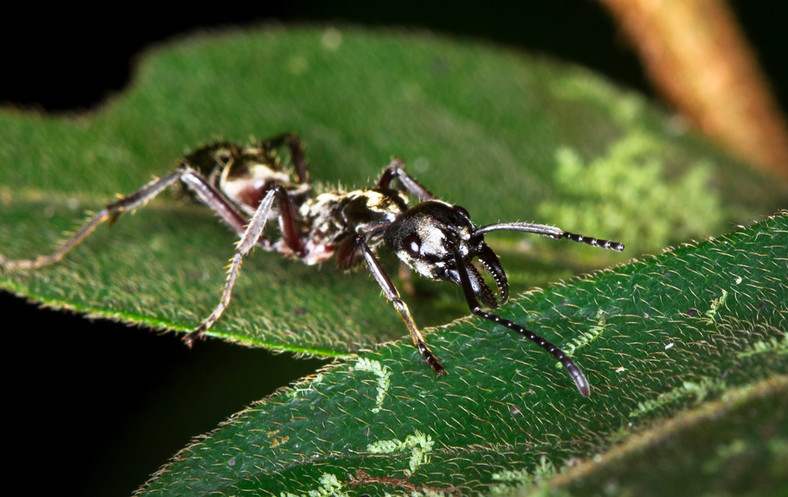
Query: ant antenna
{"x": 552, "y": 232}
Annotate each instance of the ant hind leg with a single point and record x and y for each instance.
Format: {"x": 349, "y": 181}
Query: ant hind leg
{"x": 202, "y": 189}
{"x": 293, "y": 143}
{"x": 109, "y": 214}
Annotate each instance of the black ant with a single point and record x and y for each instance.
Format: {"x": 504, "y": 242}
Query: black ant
{"x": 247, "y": 187}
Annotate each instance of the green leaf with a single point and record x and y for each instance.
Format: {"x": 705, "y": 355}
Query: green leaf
{"x": 655, "y": 337}
{"x": 507, "y": 136}
{"x": 737, "y": 445}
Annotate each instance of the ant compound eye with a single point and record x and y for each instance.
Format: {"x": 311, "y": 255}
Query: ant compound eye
{"x": 412, "y": 245}
{"x": 462, "y": 210}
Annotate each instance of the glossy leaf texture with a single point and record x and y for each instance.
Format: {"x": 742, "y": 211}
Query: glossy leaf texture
{"x": 509, "y": 137}
{"x": 655, "y": 338}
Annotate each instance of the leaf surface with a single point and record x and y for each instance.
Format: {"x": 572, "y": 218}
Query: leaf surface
{"x": 507, "y": 136}
{"x": 654, "y": 337}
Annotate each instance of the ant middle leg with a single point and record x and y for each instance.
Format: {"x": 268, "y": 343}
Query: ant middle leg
{"x": 209, "y": 195}
{"x": 250, "y": 237}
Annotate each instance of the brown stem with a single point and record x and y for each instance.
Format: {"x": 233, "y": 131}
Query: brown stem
{"x": 698, "y": 58}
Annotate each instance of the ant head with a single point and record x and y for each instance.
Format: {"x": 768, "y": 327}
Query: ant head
{"x": 433, "y": 235}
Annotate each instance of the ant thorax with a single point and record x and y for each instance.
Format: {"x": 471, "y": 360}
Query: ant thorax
{"x": 335, "y": 216}
{"x": 246, "y": 175}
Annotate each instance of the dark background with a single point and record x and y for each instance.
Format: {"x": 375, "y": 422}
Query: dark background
{"x": 93, "y": 407}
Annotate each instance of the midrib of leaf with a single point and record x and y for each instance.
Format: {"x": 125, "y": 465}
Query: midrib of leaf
{"x": 503, "y": 405}
{"x": 736, "y": 442}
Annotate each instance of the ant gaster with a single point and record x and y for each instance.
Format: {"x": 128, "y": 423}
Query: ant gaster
{"x": 247, "y": 187}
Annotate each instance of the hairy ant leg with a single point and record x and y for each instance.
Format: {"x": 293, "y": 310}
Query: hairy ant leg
{"x": 392, "y": 295}
{"x": 250, "y": 237}
{"x": 202, "y": 189}
{"x": 248, "y": 186}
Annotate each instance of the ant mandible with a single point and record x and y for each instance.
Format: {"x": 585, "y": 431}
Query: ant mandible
{"x": 249, "y": 186}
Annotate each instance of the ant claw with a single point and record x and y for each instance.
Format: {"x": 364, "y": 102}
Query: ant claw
{"x": 189, "y": 339}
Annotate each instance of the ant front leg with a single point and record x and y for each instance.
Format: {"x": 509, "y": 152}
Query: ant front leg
{"x": 392, "y": 295}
